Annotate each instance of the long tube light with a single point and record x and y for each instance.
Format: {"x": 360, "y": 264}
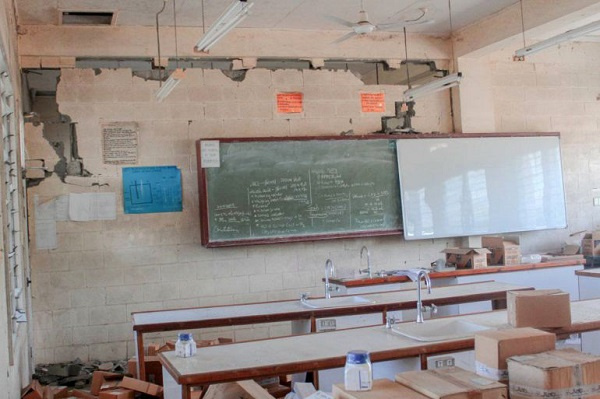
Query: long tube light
{"x": 230, "y": 18}
{"x": 434, "y": 86}
{"x": 170, "y": 84}
{"x": 563, "y": 37}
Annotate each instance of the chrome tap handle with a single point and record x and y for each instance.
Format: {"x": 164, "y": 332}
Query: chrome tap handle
{"x": 390, "y": 321}
{"x": 304, "y": 296}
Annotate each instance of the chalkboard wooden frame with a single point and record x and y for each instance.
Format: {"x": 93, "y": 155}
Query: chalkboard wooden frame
{"x": 203, "y": 195}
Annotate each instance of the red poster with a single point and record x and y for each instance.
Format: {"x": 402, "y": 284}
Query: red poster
{"x": 289, "y": 103}
{"x": 372, "y": 102}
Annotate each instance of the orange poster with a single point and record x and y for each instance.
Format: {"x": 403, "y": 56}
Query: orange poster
{"x": 289, "y": 103}
{"x": 372, "y": 102}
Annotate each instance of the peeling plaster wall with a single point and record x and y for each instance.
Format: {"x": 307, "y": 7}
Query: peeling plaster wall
{"x": 85, "y": 290}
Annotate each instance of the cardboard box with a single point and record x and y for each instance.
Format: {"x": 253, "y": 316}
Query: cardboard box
{"x": 33, "y": 391}
{"x": 103, "y": 380}
{"x": 382, "y": 389}
{"x": 539, "y": 308}
{"x": 493, "y": 347}
{"x": 78, "y": 393}
{"x": 467, "y": 258}
{"x": 503, "y": 250}
{"x": 118, "y": 393}
{"x": 565, "y": 373}
{"x": 452, "y": 383}
{"x": 141, "y": 386}
{"x": 590, "y": 244}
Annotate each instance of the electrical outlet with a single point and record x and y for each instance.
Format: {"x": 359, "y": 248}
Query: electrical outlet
{"x": 440, "y": 362}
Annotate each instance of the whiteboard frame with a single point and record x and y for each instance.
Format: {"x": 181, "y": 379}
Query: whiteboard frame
{"x": 205, "y": 238}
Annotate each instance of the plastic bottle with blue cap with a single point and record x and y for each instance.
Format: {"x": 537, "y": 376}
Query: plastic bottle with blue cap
{"x": 185, "y": 345}
{"x": 358, "y": 373}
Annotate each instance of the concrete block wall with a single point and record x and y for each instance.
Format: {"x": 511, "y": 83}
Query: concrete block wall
{"x": 556, "y": 90}
{"x": 85, "y": 290}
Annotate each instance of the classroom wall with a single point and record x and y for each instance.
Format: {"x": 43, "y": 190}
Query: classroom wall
{"x": 86, "y": 289}
{"x": 556, "y": 90}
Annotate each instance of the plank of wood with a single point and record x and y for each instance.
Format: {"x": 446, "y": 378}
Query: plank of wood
{"x": 382, "y": 389}
{"x": 452, "y": 383}
{"x": 247, "y": 389}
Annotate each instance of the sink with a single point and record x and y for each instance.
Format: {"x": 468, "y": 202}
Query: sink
{"x": 336, "y": 302}
{"x": 438, "y": 330}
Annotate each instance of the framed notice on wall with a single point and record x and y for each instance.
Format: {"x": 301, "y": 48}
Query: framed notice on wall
{"x": 120, "y": 143}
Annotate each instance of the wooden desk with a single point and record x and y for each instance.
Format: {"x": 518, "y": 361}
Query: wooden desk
{"x": 270, "y": 357}
{"x": 268, "y": 312}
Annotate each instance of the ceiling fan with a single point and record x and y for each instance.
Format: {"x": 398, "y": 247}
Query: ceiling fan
{"x": 363, "y": 26}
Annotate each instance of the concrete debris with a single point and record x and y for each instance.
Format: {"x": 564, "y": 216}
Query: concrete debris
{"x": 75, "y": 374}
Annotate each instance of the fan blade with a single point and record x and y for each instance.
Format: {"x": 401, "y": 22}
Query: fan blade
{"x": 340, "y": 21}
{"x": 403, "y": 24}
{"x": 345, "y": 37}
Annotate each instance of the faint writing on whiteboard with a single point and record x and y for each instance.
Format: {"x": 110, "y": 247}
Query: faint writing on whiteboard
{"x": 120, "y": 143}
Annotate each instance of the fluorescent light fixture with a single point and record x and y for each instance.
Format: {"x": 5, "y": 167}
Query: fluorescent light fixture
{"x": 230, "y": 18}
{"x": 437, "y": 85}
{"x": 167, "y": 87}
{"x": 563, "y": 37}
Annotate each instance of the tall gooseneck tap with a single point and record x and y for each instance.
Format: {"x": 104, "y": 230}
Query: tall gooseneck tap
{"x": 329, "y": 272}
{"x": 368, "y": 269}
{"x": 417, "y": 275}
{"x": 422, "y": 274}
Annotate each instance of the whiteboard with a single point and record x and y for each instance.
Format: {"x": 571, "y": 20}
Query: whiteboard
{"x": 452, "y": 187}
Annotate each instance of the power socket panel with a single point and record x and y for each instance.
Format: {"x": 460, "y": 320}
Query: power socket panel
{"x": 440, "y": 362}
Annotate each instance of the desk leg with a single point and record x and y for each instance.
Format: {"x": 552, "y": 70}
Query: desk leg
{"x": 186, "y": 391}
{"x": 384, "y": 315}
{"x": 139, "y": 349}
{"x": 423, "y": 359}
{"x": 498, "y": 304}
{"x": 313, "y": 329}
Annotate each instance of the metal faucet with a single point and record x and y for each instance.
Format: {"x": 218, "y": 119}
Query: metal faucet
{"x": 368, "y": 269}
{"x": 417, "y": 275}
{"x": 329, "y": 272}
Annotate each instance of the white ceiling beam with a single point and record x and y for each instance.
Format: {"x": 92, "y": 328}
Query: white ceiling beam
{"x": 47, "y": 40}
{"x": 542, "y": 19}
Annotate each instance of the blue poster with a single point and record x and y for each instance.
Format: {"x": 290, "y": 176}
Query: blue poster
{"x": 152, "y": 189}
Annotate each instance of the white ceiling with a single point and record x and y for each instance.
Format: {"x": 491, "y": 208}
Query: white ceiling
{"x": 271, "y": 14}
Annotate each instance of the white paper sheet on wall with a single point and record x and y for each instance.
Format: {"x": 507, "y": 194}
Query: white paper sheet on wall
{"x": 209, "y": 154}
{"x": 45, "y": 224}
{"x": 92, "y": 206}
{"x": 61, "y": 211}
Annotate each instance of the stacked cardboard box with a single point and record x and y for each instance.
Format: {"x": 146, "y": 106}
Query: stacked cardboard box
{"x": 467, "y": 258}
{"x": 494, "y": 347}
{"x": 590, "y": 245}
{"x": 565, "y": 373}
{"x": 539, "y": 308}
{"x": 503, "y": 250}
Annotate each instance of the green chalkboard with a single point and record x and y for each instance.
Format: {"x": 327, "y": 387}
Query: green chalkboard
{"x": 299, "y": 189}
